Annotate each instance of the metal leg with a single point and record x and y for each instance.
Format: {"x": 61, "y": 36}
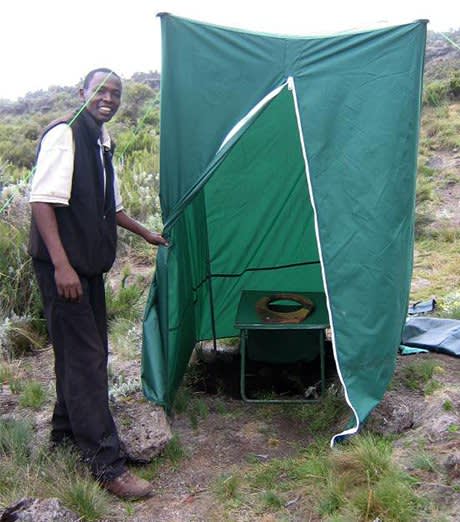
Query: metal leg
{"x": 322, "y": 359}
{"x": 243, "y": 342}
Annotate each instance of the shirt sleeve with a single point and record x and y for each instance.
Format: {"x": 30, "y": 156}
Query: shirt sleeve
{"x": 52, "y": 179}
{"x": 116, "y": 191}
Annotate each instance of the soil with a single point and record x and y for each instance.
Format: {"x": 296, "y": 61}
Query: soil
{"x": 447, "y": 164}
{"x": 231, "y": 434}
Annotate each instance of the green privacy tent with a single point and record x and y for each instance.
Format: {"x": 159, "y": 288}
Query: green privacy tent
{"x": 287, "y": 163}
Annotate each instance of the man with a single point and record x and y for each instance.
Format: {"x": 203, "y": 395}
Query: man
{"x": 76, "y": 207}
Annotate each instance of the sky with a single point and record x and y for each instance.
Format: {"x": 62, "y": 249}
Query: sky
{"x": 52, "y": 42}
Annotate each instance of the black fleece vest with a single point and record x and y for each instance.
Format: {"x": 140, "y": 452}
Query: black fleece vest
{"x": 87, "y": 227}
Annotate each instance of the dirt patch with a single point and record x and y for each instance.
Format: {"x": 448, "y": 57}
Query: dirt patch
{"x": 447, "y": 209}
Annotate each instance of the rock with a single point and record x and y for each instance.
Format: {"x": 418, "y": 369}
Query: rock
{"x": 392, "y": 416}
{"x": 36, "y": 510}
{"x": 452, "y": 465}
{"x": 143, "y": 428}
{"x": 205, "y": 351}
{"x": 438, "y": 429}
{"x": 435, "y": 162}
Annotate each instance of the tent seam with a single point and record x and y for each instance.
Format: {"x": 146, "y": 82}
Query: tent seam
{"x": 291, "y": 86}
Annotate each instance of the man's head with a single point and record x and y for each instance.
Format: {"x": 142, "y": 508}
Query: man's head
{"x": 101, "y": 92}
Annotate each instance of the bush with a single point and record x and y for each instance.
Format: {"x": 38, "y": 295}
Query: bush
{"x": 18, "y": 292}
{"x": 435, "y": 93}
{"x": 454, "y": 85}
{"x": 33, "y": 395}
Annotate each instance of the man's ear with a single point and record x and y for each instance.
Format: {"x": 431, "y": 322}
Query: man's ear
{"x": 82, "y": 94}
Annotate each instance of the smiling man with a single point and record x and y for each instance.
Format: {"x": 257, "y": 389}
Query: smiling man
{"x": 76, "y": 207}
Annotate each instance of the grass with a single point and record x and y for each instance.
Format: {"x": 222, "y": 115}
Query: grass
{"x": 358, "y": 481}
{"x": 15, "y": 440}
{"x": 450, "y": 305}
{"x": 425, "y": 462}
{"x": 441, "y": 127}
{"x": 418, "y": 375}
{"x": 124, "y": 303}
{"x": 19, "y": 294}
{"x": 19, "y": 336}
{"x": 30, "y": 471}
{"x": 6, "y": 373}
{"x": 318, "y": 417}
{"x": 82, "y": 494}
{"x": 435, "y": 268}
{"x": 173, "y": 455}
{"x": 227, "y": 487}
{"x": 33, "y": 395}
{"x": 198, "y": 410}
{"x": 125, "y": 338}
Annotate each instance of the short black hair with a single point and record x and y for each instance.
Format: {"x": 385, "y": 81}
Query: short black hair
{"x": 90, "y": 75}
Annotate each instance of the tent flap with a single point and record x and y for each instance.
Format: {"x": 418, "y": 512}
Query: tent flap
{"x": 313, "y": 191}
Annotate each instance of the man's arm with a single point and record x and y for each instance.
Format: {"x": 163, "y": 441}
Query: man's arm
{"x": 67, "y": 281}
{"x": 125, "y": 221}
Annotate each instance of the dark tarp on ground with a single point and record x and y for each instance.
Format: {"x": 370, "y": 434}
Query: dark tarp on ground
{"x": 433, "y": 334}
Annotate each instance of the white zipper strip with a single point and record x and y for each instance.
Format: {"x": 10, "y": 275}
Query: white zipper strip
{"x": 252, "y": 113}
{"x": 291, "y": 87}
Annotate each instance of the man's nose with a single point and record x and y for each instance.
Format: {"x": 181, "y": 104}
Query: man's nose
{"x": 107, "y": 96}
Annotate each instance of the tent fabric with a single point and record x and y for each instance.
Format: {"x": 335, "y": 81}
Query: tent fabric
{"x": 287, "y": 163}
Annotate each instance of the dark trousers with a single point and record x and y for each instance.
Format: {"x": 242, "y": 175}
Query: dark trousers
{"x": 78, "y": 332}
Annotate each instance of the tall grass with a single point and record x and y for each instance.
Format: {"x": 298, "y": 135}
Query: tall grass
{"x": 28, "y": 471}
{"x": 21, "y": 325}
{"x": 358, "y": 481}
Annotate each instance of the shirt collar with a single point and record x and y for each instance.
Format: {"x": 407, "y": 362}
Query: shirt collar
{"x": 104, "y": 139}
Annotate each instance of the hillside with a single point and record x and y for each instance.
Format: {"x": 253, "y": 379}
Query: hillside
{"x": 442, "y": 58}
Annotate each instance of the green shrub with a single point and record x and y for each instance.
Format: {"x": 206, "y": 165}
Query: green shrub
{"x": 83, "y": 495}
{"x": 450, "y": 306}
{"x": 33, "y": 395}
{"x": 454, "y": 85}
{"x": 18, "y": 292}
{"x": 15, "y": 441}
{"x": 20, "y": 335}
{"x": 419, "y": 373}
{"x": 435, "y": 93}
{"x": 125, "y": 302}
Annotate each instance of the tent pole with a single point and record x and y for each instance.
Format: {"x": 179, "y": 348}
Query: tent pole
{"x": 208, "y": 270}
{"x": 211, "y": 304}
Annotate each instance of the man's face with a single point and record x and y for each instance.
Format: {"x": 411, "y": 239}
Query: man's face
{"x": 104, "y": 93}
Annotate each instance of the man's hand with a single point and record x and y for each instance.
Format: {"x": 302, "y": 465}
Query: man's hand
{"x": 68, "y": 283}
{"x": 125, "y": 221}
{"x": 155, "y": 239}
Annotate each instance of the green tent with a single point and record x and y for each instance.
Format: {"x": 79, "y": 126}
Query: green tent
{"x": 287, "y": 163}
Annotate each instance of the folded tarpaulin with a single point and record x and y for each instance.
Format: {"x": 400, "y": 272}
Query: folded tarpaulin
{"x": 422, "y": 307}
{"x": 434, "y": 334}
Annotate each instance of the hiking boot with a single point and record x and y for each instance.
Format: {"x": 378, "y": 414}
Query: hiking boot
{"x": 128, "y": 486}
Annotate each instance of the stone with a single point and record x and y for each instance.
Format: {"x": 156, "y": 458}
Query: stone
{"x": 206, "y": 352}
{"x": 392, "y": 416}
{"x": 452, "y": 465}
{"x": 38, "y": 510}
{"x": 143, "y": 427}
